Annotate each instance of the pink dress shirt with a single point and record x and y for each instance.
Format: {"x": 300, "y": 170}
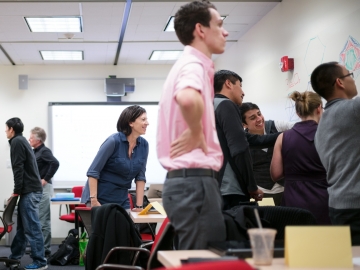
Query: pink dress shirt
{"x": 193, "y": 70}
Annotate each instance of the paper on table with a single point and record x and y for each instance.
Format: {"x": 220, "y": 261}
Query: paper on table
{"x": 158, "y": 207}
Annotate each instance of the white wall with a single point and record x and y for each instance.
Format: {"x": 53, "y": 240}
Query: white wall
{"x": 66, "y": 84}
{"x": 310, "y": 31}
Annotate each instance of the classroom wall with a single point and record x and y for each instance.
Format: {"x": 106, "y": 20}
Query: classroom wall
{"x": 310, "y": 31}
{"x": 67, "y": 84}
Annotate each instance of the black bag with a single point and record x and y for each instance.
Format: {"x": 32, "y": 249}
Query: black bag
{"x": 68, "y": 252}
{"x": 149, "y": 228}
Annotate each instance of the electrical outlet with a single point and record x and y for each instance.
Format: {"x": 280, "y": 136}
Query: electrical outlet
{"x": 8, "y": 164}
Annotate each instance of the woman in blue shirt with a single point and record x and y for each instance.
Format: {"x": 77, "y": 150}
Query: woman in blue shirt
{"x": 121, "y": 158}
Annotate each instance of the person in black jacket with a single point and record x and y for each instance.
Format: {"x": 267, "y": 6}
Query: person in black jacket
{"x": 27, "y": 185}
{"x": 237, "y": 183}
{"x": 47, "y": 165}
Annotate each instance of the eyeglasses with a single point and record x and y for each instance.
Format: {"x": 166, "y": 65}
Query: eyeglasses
{"x": 350, "y": 74}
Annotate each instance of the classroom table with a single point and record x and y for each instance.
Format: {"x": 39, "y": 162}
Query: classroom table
{"x": 172, "y": 259}
{"x": 159, "y": 200}
{"x": 149, "y": 218}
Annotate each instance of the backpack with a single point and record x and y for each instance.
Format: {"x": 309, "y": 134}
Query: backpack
{"x": 68, "y": 252}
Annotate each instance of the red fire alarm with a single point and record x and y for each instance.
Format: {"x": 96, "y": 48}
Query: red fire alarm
{"x": 286, "y": 64}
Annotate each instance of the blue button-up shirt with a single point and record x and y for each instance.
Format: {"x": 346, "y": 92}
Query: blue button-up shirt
{"x": 115, "y": 171}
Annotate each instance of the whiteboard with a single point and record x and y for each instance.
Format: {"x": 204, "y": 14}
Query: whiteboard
{"x": 77, "y": 131}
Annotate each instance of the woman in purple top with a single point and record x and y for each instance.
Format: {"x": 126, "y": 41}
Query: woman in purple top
{"x": 296, "y": 160}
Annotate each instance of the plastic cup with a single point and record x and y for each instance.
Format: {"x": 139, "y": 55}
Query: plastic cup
{"x": 262, "y": 245}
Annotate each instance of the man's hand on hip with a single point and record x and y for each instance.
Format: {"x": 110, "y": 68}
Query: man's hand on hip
{"x": 187, "y": 142}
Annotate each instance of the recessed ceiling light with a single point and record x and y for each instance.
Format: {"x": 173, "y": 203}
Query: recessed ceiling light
{"x": 55, "y": 24}
{"x": 170, "y": 24}
{"x": 165, "y": 55}
{"x": 62, "y": 55}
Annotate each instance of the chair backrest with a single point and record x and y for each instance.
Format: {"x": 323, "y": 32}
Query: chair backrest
{"x": 9, "y": 210}
{"x": 130, "y": 201}
{"x": 77, "y": 190}
{"x": 164, "y": 240}
{"x": 7, "y": 216}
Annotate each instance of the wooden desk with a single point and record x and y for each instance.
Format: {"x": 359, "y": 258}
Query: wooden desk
{"x": 172, "y": 259}
{"x": 149, "y": 218}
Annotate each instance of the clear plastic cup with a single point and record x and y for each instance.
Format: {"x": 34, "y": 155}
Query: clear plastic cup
{"x": 262, "y": 245}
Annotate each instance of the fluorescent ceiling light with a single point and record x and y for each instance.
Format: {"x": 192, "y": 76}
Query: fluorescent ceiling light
{"x": 55, "y": 24}
{"x": 62, "y": 55}
{"x": 165, "y": 55}
{"x": 170, "y": 24}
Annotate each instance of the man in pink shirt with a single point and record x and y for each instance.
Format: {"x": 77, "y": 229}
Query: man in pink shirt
{"x": 187, "y": 142}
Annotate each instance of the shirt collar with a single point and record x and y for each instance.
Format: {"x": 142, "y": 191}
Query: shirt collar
{"x": 38, "y": 148}
{"x": 328, "y": 104}
{"x": 124, "y": 139}
{"x": 208, "y": 63}
{"x": 18, "y": 134}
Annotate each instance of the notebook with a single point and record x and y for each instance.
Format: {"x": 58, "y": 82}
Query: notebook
{"x": 242, "y": 249}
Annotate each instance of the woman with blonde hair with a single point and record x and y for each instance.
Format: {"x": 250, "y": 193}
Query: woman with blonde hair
{"x": 296, "y": 160}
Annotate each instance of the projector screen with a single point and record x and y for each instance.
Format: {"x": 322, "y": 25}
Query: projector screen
{"x": 77, "y": 131}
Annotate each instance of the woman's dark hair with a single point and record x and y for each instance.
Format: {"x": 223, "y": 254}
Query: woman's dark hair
{"x": 130, "y": 114}
{"x": 245, "y": 107}
{"x": 16, "y": 124}
{"x": 188, "y": 16}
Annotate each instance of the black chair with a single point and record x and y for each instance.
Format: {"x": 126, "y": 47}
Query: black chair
{"x": 7, "y": 223}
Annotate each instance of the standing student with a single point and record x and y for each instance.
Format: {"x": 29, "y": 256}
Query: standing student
{"x": 295, "y": 159}
{"x": 187, "y": 144}
{"x": 27, "y": 185}
{"x": 47, "y": 165}
{"x": 338, "y": 145}
{"x": 254, "y": 123}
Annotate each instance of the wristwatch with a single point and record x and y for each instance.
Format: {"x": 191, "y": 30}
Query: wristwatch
{"x": 138, "y": 206}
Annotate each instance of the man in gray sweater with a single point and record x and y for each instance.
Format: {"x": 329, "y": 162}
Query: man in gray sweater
{"x": 338, "y": 143}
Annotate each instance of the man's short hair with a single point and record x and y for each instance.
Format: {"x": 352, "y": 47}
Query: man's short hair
{"x": 188, "y": 16}
{"x": 130, "y": 114}
{"x": 221, "y": 76}
{"x": 16, "y": 124}
{"x": 39, "y": 133}
{"x": 323, "y": 78}
{"x": 245, "y": 107}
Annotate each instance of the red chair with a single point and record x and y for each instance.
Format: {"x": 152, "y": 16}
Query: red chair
{"x": 144, "y": 236}
{"x": 70, "y": 216}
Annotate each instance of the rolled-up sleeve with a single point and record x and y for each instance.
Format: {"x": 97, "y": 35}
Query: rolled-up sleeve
{"x": 104, "y": 153}
{"x": 141, "y": 175}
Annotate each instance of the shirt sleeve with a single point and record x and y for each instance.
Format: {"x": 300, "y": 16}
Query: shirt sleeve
{"x": 261, "y": 141}
{"x": 229, "y": 120}
{"x": 104, "y": 153}
{"x": 141, "y": 175}
{"x": 49, "y": 158}
{"x": 243, "y": 162}
{"x": 18, "y": 158}
{"x": 190, "y": 76}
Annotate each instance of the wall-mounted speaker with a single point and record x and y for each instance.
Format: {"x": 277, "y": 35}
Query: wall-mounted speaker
{"x": 23, "y": 82}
